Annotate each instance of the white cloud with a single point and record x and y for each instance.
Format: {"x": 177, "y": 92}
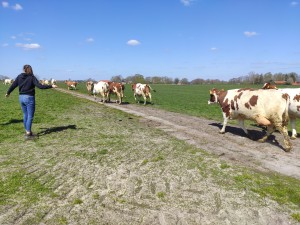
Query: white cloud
{"x": 4, "y": 45}
{"x": 133, "y": 42}
{"x": 186, "y": 2}
{"x": 13, "y": 37}
{"x": 90, "y": 40}
{"x": 5, "y": 4}
{"x": 294, "y": 4}
{"x": 28, "y": 46}
{"x": 250, "y": 33}
{"x": 213, "y": 49}
{"x": 17, "y": 7}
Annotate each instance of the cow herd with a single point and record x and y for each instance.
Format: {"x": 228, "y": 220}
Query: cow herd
{"x": 270, "y": 107}
{"x": 105, "y": 88}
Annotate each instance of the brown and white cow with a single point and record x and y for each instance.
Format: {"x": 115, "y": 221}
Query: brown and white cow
{"x": 89, "y": 86}
{"x": 142, "y": 90}
{"x": 294, "y": 105}
{"x": 117, "y": 89}
{"x": 8, "y": 81}
{"x": 101, "y": 88}
{"x": 268, "y": 85}
{"x": 71, "y": 84}
{"x": 265, "y": 107}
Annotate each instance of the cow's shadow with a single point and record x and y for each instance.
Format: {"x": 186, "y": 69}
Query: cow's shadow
{"x": 12, "y": 121}
{"x": 254, "y": 134}
{"x": 55, "y": 129}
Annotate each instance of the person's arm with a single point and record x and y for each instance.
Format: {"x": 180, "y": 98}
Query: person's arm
{"x": 12, "y": 87}
{"x": 41, "y": 86}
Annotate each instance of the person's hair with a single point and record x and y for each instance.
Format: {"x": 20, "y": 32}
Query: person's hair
{"x": 27, "y": 69}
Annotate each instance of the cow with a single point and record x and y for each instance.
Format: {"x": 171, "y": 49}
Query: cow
{"x": 268, "y": 85}
{"x": 265, "y": 107}
{"x": 8, "y": 81}
{"x": 71, "y": 84}
{"x": 117, "y": 89}
{"x": 143, "y": 90}
{"x": 44, "y": 82}
{"x": 53, "y": 81}
{"x": 101, "y": 88}
{"x": 89, "y": 86}
{"x": 294, "y": 106}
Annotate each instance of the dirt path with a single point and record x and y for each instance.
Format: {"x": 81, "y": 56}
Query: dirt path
{"x": 233, "y": 145}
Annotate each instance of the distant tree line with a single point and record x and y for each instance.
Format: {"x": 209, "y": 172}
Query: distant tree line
{"x": 251, "y": 78}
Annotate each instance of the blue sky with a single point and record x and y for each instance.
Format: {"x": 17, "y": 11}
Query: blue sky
{"x": 208, "y": 39}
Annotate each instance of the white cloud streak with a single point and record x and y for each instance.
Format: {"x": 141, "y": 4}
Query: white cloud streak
{"x": 90, "y": 40}
{"x": 294, "y": 4}
{"x": 17, "y": 7}
{"x": 28, "y": 46}
{"x": 133, "y": 42}
{"x": 186, "y": 2}
{"x": 250, "y": 33}
{"x": 5, "y": 4}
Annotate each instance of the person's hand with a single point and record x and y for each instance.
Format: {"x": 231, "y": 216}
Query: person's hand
{"x": 54, "y": 86}
{"x": 6, "y": 95}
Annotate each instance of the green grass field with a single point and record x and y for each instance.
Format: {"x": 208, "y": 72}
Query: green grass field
{"x": 73, "y": 133}
{"x": 187, "y": 99}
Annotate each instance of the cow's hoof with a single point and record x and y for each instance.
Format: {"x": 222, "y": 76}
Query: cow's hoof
{"x": 262, "y": 140}
{"x": 221, "y": 132}
{"x": 287, "y": 149}
{"x": 293, "y": 137}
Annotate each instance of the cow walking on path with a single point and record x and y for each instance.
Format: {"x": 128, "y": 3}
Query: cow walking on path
{"x": 101, "y": 88}
{"x": 294, "y": 105}
{"x": 142, "y": 90}
{"x": 265, "y": 107}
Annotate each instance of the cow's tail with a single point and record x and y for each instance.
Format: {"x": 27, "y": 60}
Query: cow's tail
{"x": 152, "y": 88}
{"x": 285, "y": 116}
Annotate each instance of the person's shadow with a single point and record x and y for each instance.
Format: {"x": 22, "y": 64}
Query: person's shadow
{"x": 55, "y": 129}
{"x": 12, "y": 121}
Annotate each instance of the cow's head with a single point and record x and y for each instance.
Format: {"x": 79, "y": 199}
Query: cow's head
{"x": 214, "y": 95}
{"x": 90, "y": 86}
{"x": 268, "y": 85}
{"x": 133, "y": 86}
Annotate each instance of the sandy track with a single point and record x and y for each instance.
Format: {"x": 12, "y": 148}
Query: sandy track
{"x": 233, "y": 145}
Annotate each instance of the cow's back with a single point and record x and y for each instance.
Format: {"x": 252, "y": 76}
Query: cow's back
{"x": 252, "y": 103}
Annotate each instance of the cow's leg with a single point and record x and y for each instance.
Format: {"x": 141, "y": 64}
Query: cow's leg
{"x": 242, "y": 125}
{"x": 222, "y": 131}
{"x": 145, "y": 99}
{"x": 293, "y": 125}
{"x": 150, "y": 98}
{"x": 270, "y": 130}
{"x": 283, "y": 130}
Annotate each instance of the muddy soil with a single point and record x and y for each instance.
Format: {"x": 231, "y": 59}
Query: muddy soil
{"x": 234, "y": 145}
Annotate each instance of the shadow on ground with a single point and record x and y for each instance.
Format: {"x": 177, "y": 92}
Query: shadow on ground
{"x": 55, "y": 129}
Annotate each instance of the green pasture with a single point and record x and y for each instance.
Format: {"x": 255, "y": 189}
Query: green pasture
{"x": 73, "y": 129}
{"x": 187, "y": 99}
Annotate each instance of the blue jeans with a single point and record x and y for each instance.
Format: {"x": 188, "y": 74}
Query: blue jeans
{"x": 28, "y": 107}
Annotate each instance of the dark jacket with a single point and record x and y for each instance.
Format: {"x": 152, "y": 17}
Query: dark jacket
{"x": 26, "y": 83}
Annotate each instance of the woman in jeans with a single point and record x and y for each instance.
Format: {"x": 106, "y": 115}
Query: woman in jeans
{"x": 27, "y": 83}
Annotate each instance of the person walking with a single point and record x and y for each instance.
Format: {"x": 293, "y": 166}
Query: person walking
{"x": 27, "y": 82}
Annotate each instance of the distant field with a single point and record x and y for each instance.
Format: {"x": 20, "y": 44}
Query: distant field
{"x": 188, "y": 99}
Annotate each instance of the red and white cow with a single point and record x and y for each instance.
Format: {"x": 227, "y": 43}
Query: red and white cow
{"x": 8, "y": 81}
{"x": 268, "y": 85}
{"x": 71, "y": 84}
{"x": 89, "y": 86}
{"x": 143, "y": 90}
{"x": 294, "y": 105}
{"x": 101, "y": 88}
{"x": 117, "y": 89}
{"x": 265, "y": 107}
